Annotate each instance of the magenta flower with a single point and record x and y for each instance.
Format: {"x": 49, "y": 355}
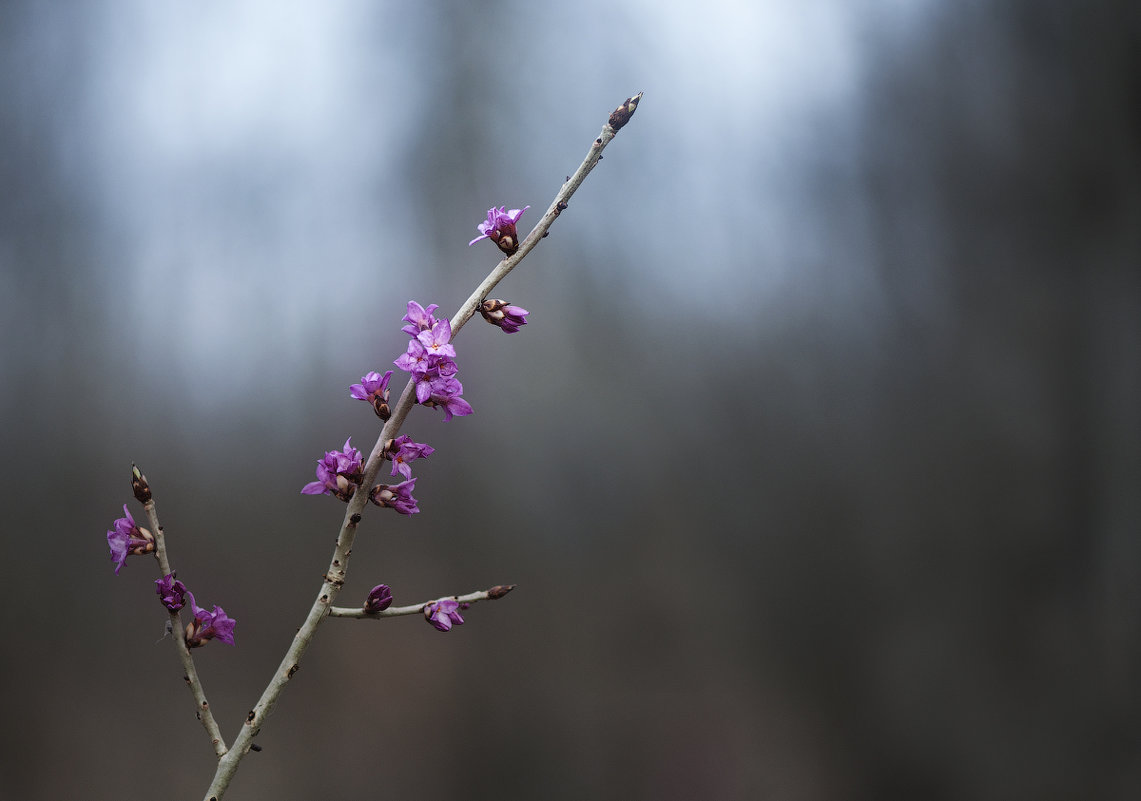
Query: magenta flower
{"x": 379, "y": 598}
{"x": 443, "y": 614}
{"x": 430, "y": 358}
{"x": 504, "y": 315}
{"x": 403, "y": 450}
{"x": 338, "y": 473}
{"x": 418, "y": 318}
{"x": 437, "y": 341}
{"x": 396, "y": 496}
{"x": 171, "y": 592}
{"x": 415, "y": 360}
{"x": 127, "y": 538}
{"x": 500, "y": 228}
{"x": 443, "y": 392}
{"x": 208, "y": 626}
{"x": 374, "y": 389}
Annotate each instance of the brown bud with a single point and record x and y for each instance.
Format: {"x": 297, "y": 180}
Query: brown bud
{"x": 624, "y": 112}
{"x": 499, "y": 590}
{"x": 139, "y": 485}
{"x": 507, "y": 244}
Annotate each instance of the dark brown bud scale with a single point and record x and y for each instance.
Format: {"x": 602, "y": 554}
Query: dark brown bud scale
{"x": 380, "y": 406}
{"x": 139, "y": 485}
{"x": 507, "y": 244}
{"x": 624, "y": 112}
{"x": 499, "y": 590}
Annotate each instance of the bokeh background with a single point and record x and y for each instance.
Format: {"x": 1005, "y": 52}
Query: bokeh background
{"x": 817, "y": 465}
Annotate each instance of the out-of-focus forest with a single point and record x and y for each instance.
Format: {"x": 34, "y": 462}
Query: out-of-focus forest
{"x": 818, "y": 464}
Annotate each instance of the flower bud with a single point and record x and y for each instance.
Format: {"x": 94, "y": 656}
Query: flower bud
{"x": 379, "y": 598}
{"x": 624, "y": 112}
{"x": 501, "y": 313}
{"x": 139, "y": 485}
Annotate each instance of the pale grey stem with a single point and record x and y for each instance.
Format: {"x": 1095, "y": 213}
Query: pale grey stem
{"x": 359, "y": 613}
{"x": 178, "y": 634}
{"x": 335, "y": 577}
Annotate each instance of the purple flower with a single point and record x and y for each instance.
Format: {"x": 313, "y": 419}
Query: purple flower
{"x": 396, "y": 496}
{"x": 437, "y": 341}
{"x": 418, "y": 318}
{"x": 127, "y": 538}
{"x": 374, "y": 389}
{"x": 500, "y": 228}
{"x": 379, "y": 598}
{"x": 403, "y": 450}
{"x": 444, "y": 392}
{"x": 430, "y": 358}
{"x": 338, "y": 473}
{"x": 414, "y": 359}
{"x": 504, "y": 315}
{"x": 443, "y": 614}
{"x": 208, "y": 626}
{"x": 171, "y": 592}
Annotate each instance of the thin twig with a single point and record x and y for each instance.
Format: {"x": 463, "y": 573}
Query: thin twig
{"x": 190, "y": 675}
{"x": 335, "y": 576}
{"x": 359, "y": 613}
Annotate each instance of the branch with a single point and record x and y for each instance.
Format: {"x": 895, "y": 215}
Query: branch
{"x": 178, "y": 632}
{"x": 335, "y": 576}
{"x": 358, "y": 613}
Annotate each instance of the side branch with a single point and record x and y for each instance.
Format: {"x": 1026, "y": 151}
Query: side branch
{"x": 190, "y": 675}
{"x": 358, "y": 613}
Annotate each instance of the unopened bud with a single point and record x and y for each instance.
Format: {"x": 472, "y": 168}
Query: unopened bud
{"x": 499, "y": 590}
{"x": 502, "y": 314}
{"x": 379, "y": 598}
{"x": 624, "y": 112}
{"x": 139, "y": 485}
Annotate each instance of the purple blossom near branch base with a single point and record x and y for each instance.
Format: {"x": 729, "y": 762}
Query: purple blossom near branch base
{"x": 339, "y": 473}
{"x": 127, "y": 538}
{"x": 443, "y": 614}
{"x": 499, "y": 227}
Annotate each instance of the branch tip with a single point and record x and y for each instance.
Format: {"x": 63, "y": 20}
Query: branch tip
{"x": 139, "y": 486}
{"x": 624, "y": 112}
{"x": 499, "y": 590}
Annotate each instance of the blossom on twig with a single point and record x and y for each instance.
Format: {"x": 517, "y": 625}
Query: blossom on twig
{"x": 373, "y": 388}
{"x": 206, "y": 626}
{"x": 501, "y": 313}
{"x": 339, "y": 473}
{"x": 430, "y": 358}
{"x": 396, "y": 496}
{"x": 403, "y": 450}
{"x": 499, "y": 227}
{"x": 171, "y": 592}
{"x": 128, "y": 538}
{"x": 443, "y": 614}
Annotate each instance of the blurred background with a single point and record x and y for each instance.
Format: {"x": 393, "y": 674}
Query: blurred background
{"x": 818, "y": 464}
